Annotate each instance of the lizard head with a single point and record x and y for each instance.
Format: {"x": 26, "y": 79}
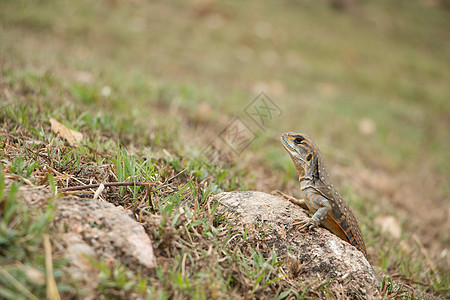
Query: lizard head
{"x": 302, "y": 151}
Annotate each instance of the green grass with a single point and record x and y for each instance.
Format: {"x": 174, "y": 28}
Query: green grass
{"x": 117, "y": 281}
{"x": 21, "y": 255}
{"x": 134, "y": 85}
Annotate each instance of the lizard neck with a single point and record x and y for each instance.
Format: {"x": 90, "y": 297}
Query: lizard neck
{"x": 305, "y": 178}
{"x": 305, "y": 183}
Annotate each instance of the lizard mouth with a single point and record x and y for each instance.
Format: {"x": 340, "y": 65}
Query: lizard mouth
{"x": 293, "y": 152}
{"x": 287, "y": 148}
{"x": 286, "y": 145}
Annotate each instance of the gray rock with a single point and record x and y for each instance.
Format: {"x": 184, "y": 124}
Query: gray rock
{"x": 108, "y": 230}
{"x": 85, "y": 228}
{"x": 309, "y": 255}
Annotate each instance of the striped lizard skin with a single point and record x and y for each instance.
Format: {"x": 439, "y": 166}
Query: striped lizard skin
{"x": 320, "y": 197}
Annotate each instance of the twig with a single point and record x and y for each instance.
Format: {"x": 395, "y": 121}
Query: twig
{"x": 176, "y": 175}
{"x": 150, "y": 200}
{"x": 107, "y": 184}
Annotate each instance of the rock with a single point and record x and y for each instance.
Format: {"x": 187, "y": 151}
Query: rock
{"x": 309, "y": 255}
{"x": 91, "y": 228}
{"x": 100, "y": 230}
{"x": 84, "y": 228}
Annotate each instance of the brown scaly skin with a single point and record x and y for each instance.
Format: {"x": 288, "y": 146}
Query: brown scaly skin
{"x": 321, "y": 198}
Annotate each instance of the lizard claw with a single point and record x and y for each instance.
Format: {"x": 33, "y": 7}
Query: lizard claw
{"x": 308, "y": 224}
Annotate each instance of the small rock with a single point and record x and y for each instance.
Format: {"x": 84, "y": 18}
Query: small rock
{"x": 106, "y": 91}
{"x": 366, "y": 126}
{"x": 389, "y": 225}
{"x": 91, "y": 228}
{"x": 84, "y": 77}
{"x": 106, "y": 229}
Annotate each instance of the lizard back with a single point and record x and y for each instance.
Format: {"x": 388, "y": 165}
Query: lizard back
{"x": 341, "y": 221}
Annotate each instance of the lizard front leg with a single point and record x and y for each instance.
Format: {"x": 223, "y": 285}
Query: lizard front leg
{"x": 319, "y": 216}
{"x": 299, "y": 202}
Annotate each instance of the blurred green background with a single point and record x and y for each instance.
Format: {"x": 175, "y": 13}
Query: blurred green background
{"x": 327, "y": 69}
{"x": 367, "y": 80}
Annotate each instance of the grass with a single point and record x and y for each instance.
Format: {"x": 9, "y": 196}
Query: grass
{"x": 21, "y": 259}
{"x": 155, "y": 83}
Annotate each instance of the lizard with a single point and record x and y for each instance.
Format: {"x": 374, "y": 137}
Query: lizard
{"x": 320, "y": 196}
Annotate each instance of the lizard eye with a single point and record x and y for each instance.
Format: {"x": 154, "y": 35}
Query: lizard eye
{"x": 308, "y": 158}
{"x": 298, "y": 140}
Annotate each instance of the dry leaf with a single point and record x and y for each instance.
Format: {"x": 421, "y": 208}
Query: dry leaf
{"x": 73, "y": 137}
